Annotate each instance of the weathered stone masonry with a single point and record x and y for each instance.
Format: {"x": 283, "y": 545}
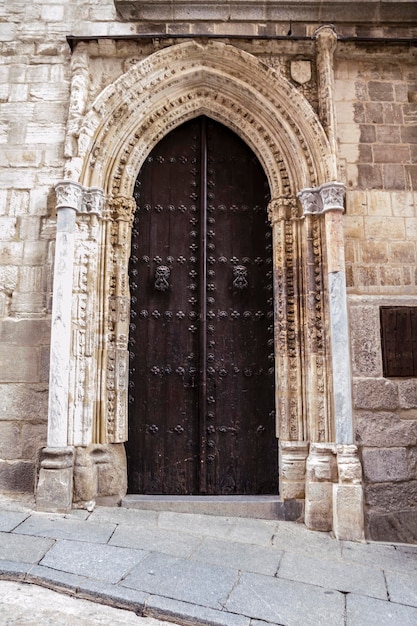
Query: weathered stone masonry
{"x": 323, "y": 113}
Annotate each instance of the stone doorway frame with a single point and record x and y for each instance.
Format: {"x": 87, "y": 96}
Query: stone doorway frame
{"x": 106, "y": 144}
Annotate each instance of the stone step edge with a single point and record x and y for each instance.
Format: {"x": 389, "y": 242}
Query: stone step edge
{"x": 256, "y": 507}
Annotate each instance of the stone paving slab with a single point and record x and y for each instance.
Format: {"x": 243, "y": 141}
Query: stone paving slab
{"x": 71, "y": 529}
{"x": 10, "y": 519}
{"x": 363, "y": 611}
{"x": 402, "y": 588}
{"x": 297, "y": 538}
{"x": 239, "y": 556}
{"x": 10, "y": 570}
{"x": 21, "y": 548}
{"x": 121, "y": 597}
{"x": 97, "y": 561}
{"x": 54, "y": 579}
{"x": 386, "y": 557}
{"x": 180, "y": 579}
{"x": 258, "y": 532}
{"x": 184, "y": 612}
{"x": 155, "y": 540}
{"x": 200, "y": 525}
{"x": 286, "y": 602}
{"x": 333, "y": 575}
{"x": 125, "y": 517}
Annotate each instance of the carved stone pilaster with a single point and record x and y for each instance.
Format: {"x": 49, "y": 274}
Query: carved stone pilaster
{"x": 315, "y": 332}
{"x": 291, "y": 424}
{"x": 85, "y": 308}
{"x": 116, "y": 321}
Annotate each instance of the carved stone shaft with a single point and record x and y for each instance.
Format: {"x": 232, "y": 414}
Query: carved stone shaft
{"x": 285, "y": 233}
{"x": 326, "y": 44}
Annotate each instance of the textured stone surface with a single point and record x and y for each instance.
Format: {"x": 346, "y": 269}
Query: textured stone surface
{"x": 377, "y": 613}
{"x": 385, "y": 465}
{"x": 391, "y": 497}
{"x": 333, "y": 575}
{"x": 10, "y": 519}
{"x": 383, "y": 429}
{"x": 284, "y": 601}
{"x": 107, "y": 563}
{"x": 398, "y": 525}
{"x": 23, "y": 549}
{"x": 152, "y": 539}
{"x": 250, "y": 558}
{"x": 189, "y": 613}
{"x": 43, "y": 526}
{"x": 402, "y": 588}
{"x": 206, "y": 585}
{"x": 375, "y": 393}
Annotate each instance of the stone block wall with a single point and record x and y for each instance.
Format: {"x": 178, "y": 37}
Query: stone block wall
{"x": 377, "y": 112}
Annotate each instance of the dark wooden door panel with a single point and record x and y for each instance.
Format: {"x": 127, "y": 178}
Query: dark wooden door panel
{"x": 201, "y": 412}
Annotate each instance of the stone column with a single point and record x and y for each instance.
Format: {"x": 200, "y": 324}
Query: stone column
{"x": 347, "y": 493}
{"x": 54, "y": 489}
{"x": 339, "y": 502}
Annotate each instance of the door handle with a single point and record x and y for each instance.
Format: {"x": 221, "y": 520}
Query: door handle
{"x": 240, "y": 277}
{"x": 162, "y": 274}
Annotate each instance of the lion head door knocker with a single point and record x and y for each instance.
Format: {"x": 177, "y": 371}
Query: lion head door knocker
{"x": 162, "y": 274}
{"x": 240, "y": 277}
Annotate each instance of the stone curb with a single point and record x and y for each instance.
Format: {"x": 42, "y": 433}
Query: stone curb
{"x": 141, "y": 603}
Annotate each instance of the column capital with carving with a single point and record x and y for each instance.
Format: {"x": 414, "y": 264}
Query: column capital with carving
{"x": 282, "y": 208}
{"x": 326, "y": 37}
{"x": 72, "y": 195}
{"x": 69, "y": 195}
{"x": 318, "y": 200}
{"x": 123, "y": 208}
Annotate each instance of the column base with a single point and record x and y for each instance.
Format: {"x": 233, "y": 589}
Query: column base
{"x": 320, "y": 476}
{"x": 292, "y": 463}
{"x": 348, "y": 512}
{"x": 55, "y": 482}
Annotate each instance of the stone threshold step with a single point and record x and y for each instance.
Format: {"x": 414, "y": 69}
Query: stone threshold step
{"x": 259, "y": 507}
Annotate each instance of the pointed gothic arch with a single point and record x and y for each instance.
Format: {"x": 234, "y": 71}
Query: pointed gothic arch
{"x": 189, "y": 79}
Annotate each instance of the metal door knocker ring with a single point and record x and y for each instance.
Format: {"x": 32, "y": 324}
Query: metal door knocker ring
{"x": 240, "y": 277}
{"x": 162, "y": 274}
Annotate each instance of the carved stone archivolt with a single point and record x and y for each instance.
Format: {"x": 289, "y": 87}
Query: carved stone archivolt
{"x": 189, "y": 79}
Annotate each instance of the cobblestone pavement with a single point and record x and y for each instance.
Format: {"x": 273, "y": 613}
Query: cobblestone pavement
{"x": 201, "y": 569}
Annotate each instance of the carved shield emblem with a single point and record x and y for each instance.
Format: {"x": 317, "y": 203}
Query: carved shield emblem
{"x": 301, "y": 71}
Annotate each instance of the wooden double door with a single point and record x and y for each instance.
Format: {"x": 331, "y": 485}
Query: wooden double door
{"x": 201, "y": 381}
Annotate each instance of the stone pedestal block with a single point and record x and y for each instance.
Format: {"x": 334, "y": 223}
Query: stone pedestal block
{"x": 293, "y": 455}
{"x": 100, "y": 474}
{"x": 320, "y": 476}
{"x": 55, "y": 483}
{"x": 85, "y": 477}
{"x": 348, "y": 520}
